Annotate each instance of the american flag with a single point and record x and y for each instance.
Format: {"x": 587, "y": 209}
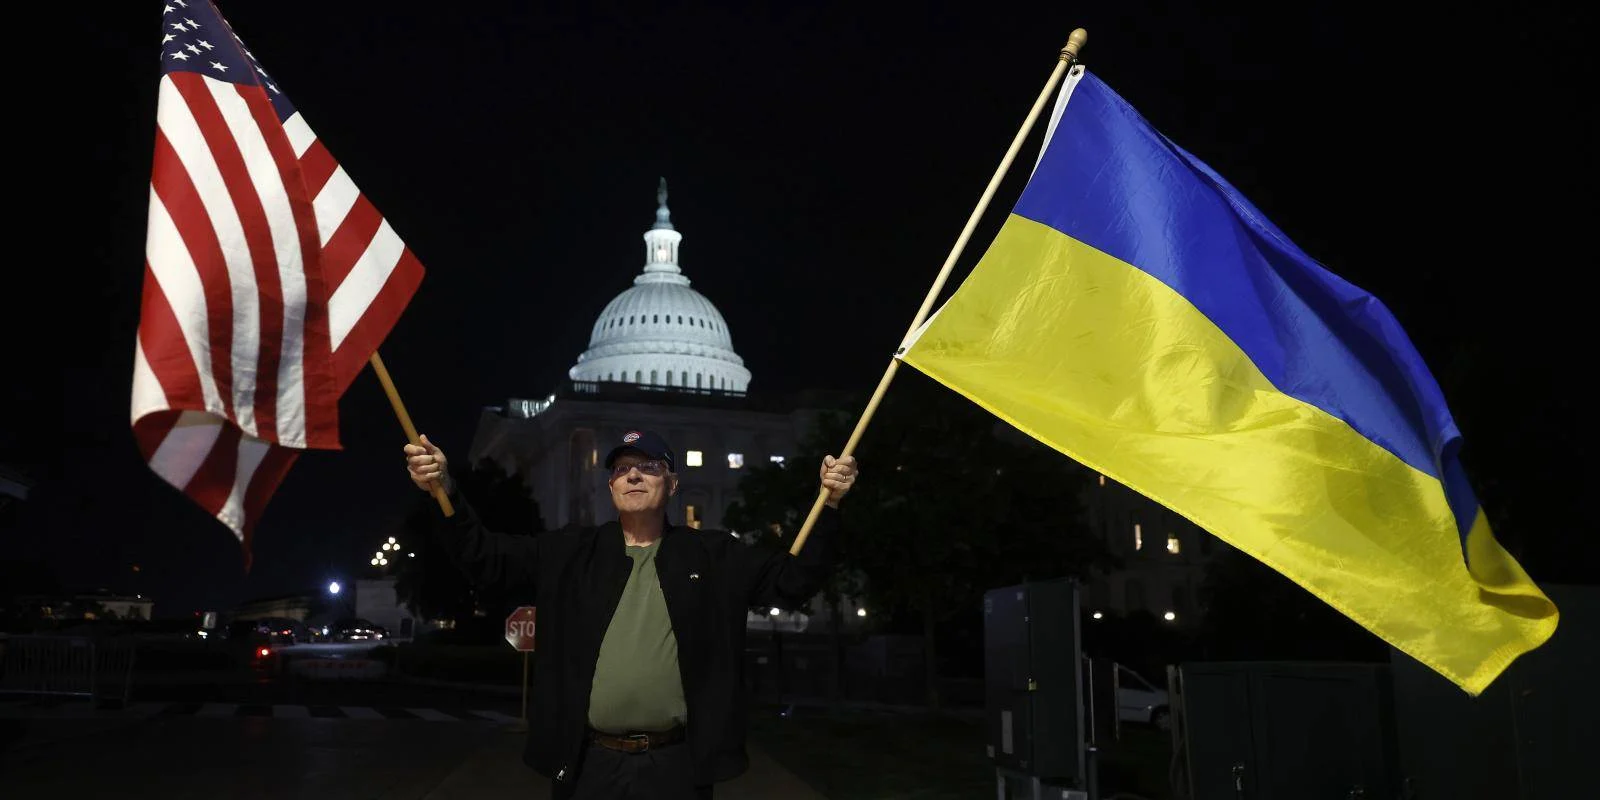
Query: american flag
{"x": 269, "y": 279}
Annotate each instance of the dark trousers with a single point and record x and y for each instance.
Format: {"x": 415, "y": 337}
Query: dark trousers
{"x": 665, "y": 773}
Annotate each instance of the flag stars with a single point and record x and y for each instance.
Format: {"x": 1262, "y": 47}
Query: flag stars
{"x": 274, "y": 89}
{"x": 219, "y": 67}
{"x": 207, "y": 45}
{"x": 178, "y": 26}
{"x": 191, "y": 48}
{"x": 181, "y": 56}
{"x": 169, "y": 37}
{"x": 168, "y": 10}
{"x": 193, "y": 26}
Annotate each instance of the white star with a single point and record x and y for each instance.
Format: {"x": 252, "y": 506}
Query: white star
{"x": 262, "y": 71}
{"x": 181, "y": 3}
{"x": 178, "y": 26}
{"x": 274, "y": 89}
{"x": 191, "y": 48}
{"x": 169, "y": 37}
{"x": 168, "y": 10}
{"x": 181, "y": 56}
{"x": 193, "y": 26}
{"x": 207, "y": 45}
{"x": 219, "y": 67}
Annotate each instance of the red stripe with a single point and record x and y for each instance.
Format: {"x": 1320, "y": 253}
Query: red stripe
{"x": 213, "y": 482}
{"x": 258, "y": 240}
{"x": 165, "y": 350}
{"x": 378, "y": 319}
{"x": 345, "y": 247}
{"x": 321, "y": 398}
{"x": 175, "y": 189}
{"x": 269, "y": 475}
{"x": 150, "y": 430}
{"x": 318, "y": 166}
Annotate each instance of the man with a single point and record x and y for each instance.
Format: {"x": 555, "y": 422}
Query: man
{"x": 639, "y": 692}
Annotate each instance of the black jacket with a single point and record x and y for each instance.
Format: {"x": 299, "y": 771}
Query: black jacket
{"x": 577, "y": 574}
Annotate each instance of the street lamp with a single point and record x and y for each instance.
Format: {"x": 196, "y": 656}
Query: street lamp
{"x": 334, "y": 587}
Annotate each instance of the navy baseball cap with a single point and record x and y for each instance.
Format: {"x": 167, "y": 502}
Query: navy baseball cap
{"x": 646, "y": 442}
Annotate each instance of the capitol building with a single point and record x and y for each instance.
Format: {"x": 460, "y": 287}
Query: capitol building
{"x": 660, "y": 357}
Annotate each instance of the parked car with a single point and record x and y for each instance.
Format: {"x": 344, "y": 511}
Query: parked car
{"x": 1139, "y": 701}
{"x": 355, "y": 630}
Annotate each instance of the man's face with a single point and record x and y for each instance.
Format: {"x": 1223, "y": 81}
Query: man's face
{"x": 640, "y": 483}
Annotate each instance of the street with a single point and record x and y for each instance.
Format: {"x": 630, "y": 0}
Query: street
{"x": 249, "y": 737}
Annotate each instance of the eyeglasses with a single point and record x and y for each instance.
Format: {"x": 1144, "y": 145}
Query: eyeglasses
{"x": 654, "y": 469}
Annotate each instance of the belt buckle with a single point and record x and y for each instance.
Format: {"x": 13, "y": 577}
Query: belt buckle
{"x": 642, "y": 738}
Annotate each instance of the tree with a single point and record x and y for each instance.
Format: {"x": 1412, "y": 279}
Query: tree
{"x": 430, "y": 584}
{"x": 950, "y": 504}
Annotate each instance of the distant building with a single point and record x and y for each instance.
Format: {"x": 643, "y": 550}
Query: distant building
{"x": 1164, "y": 555}
{"x": 660, "y": 357}
{"x": 91, "y": 605}
{"x": 377, "y": 602}
{"x": 293, "y": 606}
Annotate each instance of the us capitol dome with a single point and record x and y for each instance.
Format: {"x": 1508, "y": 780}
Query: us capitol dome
{"x": 660, "y": 332}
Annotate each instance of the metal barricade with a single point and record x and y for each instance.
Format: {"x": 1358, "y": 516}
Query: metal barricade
{"x": 100, "y": 670}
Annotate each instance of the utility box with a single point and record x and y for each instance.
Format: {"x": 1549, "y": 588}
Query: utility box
{"x": 1288, "y": 731}
{"x": 1034, "y": 682}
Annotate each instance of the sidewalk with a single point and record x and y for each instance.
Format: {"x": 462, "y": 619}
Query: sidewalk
{"x": 497, "y": 771}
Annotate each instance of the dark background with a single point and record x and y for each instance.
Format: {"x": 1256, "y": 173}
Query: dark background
{"x": 822, "y": 158}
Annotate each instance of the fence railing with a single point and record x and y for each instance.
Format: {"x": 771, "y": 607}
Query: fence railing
{"x": 100, "y": 670}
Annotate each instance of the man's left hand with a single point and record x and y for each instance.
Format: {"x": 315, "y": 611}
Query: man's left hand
{"x": 838, "y": 475}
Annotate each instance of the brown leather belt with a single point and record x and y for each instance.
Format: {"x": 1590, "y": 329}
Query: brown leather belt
{"x": 636, "y": 742}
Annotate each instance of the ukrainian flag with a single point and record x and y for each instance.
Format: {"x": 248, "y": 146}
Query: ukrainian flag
{"x": 1139, "y": 315}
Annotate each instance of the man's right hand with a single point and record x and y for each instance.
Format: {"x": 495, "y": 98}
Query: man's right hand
{"x": 427, "y": 465}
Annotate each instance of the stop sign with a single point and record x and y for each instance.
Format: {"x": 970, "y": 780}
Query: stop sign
{"x": 519, "y": 628}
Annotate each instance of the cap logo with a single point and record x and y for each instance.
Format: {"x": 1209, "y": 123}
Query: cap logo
{"x": 631, "y": 437}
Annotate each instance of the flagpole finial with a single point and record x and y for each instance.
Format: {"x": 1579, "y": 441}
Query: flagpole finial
{"x": 1075, "y": 43}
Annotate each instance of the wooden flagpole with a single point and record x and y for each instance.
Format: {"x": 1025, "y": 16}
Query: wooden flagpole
{"x": 1069, "y": 56}
{"x": 405, "y": 422}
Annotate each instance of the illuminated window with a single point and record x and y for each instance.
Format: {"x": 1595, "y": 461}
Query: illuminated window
{"x": 735, "y": 460}
{"x": 1172, "y": 543}
{"x": 776, "y": 460}
{"x": 1138, "y": 537}
{"x": 691, "y": 517}
{"x": 693, "y": 458}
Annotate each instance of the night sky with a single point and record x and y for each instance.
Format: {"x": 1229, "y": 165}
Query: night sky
{"x": 822, "y": 158}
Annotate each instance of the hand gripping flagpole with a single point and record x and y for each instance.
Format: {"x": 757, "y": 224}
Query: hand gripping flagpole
{"x": 1069, "y": 56}
{"x": 405, "y": 422}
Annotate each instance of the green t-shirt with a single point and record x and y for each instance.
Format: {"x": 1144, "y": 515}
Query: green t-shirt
{"x": 637, "y": 686}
